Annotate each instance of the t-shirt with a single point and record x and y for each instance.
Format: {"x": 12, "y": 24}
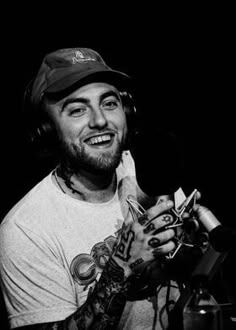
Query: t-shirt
{"x": 53, "y": 249}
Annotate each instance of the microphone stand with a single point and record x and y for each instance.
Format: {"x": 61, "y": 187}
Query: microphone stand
{"x": 199, "y": 282}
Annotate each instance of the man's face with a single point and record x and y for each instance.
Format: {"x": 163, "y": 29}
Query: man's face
{"x": 91, "y": 126}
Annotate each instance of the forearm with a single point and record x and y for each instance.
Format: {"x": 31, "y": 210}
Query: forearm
{"x": 102, "y": 309}
{"x": 105, "y": 305}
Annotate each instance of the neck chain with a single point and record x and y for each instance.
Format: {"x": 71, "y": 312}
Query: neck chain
{"x": 57, "y": 181}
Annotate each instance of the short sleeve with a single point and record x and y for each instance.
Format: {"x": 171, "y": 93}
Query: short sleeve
{"x": 36, "y": 286}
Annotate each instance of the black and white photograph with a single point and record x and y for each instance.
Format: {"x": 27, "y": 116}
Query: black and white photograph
{"x": 117, "y": 169}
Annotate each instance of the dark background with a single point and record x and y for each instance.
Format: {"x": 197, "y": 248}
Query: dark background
{"x": 183, "y": 64}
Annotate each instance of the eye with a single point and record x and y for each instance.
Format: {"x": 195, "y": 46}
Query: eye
{"x": 110, "y": 104}
{"x": 77, "y": 111}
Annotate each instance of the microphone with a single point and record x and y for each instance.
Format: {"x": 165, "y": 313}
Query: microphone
{"x": 222, "y": 238}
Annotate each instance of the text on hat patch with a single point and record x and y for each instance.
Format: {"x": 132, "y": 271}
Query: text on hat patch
{"x": 79, "y": 57}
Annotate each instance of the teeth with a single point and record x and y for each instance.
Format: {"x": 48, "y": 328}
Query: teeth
{"x": 99, "y": 139}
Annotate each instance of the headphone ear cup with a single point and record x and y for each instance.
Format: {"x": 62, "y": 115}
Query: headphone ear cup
{"x": 42, "y": 133}
{"x": 128, "y": 102}
{"x": 131, "y": 116}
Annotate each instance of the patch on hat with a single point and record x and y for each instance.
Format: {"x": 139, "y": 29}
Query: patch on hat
{"x": 80, "y": 57}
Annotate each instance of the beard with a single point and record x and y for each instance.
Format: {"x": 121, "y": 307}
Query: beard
{"x": 77, "y": 158}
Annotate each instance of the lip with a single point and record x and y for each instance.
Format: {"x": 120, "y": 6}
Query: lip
{"x": 104, "y": 143}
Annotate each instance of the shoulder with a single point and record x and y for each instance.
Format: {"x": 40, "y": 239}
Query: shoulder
{"x": 28, "y": 209}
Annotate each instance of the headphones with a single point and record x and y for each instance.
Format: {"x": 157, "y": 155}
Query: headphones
{"x": 41, "y": 130}
{"x": 38, "y": 126}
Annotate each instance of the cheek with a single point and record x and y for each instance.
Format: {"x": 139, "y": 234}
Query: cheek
{"x": 121, "y": 123}
{"x": 63, "y": 132}
{"x": 68, "y": 131}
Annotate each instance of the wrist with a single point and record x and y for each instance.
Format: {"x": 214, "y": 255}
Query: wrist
{"x": 121, "y": 266}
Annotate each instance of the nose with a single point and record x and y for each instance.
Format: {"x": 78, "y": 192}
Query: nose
{"x": 97, "y": 119}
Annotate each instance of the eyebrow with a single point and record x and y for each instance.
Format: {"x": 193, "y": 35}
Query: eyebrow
{"x": 86, "y": 100}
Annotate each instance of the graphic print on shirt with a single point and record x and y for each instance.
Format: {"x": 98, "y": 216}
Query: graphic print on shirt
{"x": 86, "y": 268}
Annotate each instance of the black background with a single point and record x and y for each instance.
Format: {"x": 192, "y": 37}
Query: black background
{"x": 183, "y": 64}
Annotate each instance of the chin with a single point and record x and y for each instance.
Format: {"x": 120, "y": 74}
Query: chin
{"x": 104, "y": 161}
{"x": 104, "y": 164}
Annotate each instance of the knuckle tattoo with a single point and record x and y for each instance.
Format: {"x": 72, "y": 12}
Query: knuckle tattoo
{"x": 154, "y": 242}
{"x": 143, "y": 219}
{"x": 167, "y": 218}
{"x": 149, "y": 228}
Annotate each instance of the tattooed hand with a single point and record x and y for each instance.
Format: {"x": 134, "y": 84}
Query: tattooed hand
{"x": 143, "y": 241}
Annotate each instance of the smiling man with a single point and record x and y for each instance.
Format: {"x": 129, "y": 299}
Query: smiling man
{"x": 71, "y": 252}
{"x": 91, "y": 125}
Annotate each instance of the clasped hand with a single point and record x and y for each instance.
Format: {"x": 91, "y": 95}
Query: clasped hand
{"x": 146, "y": 240}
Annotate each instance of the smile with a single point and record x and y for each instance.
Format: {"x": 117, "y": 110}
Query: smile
{"x": 100, "y": 140}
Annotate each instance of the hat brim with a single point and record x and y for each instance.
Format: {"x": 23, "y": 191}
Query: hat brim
{"x": 78, "y": 79}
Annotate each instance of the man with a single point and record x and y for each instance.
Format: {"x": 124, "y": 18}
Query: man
{"x": 78, "y": 251}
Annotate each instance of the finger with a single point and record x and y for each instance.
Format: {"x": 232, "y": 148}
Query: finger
{"x": 185, "y": 215}
{"x": 143, "y": 219}
{"x": 198, "y": 195}
{"x": 155, "y": 211}
{"x": 158, "y": 223}
{"x": 164, "y": 249}
{"x": 163, "y": 198}
{"x": 153, "y": 242}
{"x": 196, "y": 207}
{"x": 159, "y": 209}
{"x": 161, "y": 238}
